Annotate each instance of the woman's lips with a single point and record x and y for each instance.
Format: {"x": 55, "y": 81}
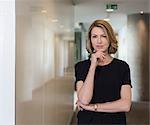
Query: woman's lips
{"x": 99, "y": 46}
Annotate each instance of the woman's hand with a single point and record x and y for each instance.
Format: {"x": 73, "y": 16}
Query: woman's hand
{"x": 78, "y": 103}
{"x": 81, "y": 106}
{"x": 89, "y": 107}
{"x": 97, "y": 56}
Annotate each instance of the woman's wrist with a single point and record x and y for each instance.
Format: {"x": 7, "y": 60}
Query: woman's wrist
{"x": 92, "y": 67}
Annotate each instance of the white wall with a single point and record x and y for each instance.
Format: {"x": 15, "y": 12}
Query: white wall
{"x": 59, "y": 55}
{"x": 44, "y": 94}
{"x": 7, "y": 62}
{"x": 34, "y": 52}
{"x": 122, "y": 43}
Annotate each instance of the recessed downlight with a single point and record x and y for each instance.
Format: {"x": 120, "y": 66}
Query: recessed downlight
{"x": 43, "y": 11}
{"x": 54, "y": 20}
{"x": 107, "y": 19}
{"x": 141, "y": 12}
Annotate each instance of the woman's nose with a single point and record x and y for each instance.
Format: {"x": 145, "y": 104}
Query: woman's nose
{"x": 99, "y": 40}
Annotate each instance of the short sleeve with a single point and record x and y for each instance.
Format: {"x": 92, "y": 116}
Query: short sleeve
{"x": 79, "y": 73}
{"x": 126, "y": 78}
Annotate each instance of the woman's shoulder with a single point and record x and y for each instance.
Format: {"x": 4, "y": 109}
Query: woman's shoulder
{"x": 82, "y": 63}
{"x": 121, "y": 62}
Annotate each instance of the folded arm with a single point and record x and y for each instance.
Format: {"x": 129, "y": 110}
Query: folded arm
{"x": 121, "y": 105}
{"x": 85, "y": 89}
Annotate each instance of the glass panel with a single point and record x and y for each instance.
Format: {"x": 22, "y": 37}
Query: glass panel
{"x": 44, "y": 62}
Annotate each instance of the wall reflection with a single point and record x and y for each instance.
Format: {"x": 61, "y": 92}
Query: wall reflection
{"x": 44, "y": 62}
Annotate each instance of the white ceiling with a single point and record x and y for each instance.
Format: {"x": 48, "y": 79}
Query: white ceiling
{"x": 83, "y": 10}
{"x": 62, "y": 10}
{"x": 88, "y": 10}
{"x": 124, "y": 6}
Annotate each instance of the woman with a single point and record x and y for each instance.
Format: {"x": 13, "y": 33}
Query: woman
{"x": 102, "y": 82}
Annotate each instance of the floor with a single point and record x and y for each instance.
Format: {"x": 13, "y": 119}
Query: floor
{"x": 51, "y": 104}
{"x": 139, "y": 114}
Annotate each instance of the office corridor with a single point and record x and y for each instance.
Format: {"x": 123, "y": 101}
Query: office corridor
{"x": 42, "y": 40}
{"x": 49, "y": 103}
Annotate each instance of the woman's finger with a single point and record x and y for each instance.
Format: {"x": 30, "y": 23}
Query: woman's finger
{"x": 79, "y": 105}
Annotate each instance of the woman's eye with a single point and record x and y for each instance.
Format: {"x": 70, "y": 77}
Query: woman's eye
{"x": 104, "y": 36}
{"x": 94, "y": 36}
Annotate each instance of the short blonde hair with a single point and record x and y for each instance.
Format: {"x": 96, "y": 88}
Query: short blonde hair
{"x": 109, "y": 33}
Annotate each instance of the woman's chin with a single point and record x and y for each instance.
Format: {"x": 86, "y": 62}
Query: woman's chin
{"x": 99, "y": 49}
{"x": 102, "y": 50}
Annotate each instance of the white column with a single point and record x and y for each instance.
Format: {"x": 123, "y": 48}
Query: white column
{"x": 7, "y": 62}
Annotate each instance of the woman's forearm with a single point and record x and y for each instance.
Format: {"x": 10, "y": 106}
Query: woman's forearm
{"x": 121, "y": 105}
{"x": 86, "y": 91}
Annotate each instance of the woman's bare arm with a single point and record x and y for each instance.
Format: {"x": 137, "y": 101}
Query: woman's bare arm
{"x": 121, "y": 105}
{"x": 85, "y": 90}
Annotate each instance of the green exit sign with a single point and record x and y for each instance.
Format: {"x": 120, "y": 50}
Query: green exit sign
{"x": 112, "y": 6}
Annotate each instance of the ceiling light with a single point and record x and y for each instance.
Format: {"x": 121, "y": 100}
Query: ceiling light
{"x": 109, "y": 10}
{"x": 107, "y": 19}
{"x": 44, "y": 11}
{"x": 141, "y": 12}
{"x": 54, "y": 20}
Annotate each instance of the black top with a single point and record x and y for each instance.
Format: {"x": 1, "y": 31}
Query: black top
{"x": 108, "y": 80}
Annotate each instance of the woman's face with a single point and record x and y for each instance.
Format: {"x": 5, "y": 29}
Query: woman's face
{"x": 99, "y": 40}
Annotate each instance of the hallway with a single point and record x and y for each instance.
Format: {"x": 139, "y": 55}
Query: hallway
{"x": 42, "y": 40}
{"x": 49, "y": 102}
